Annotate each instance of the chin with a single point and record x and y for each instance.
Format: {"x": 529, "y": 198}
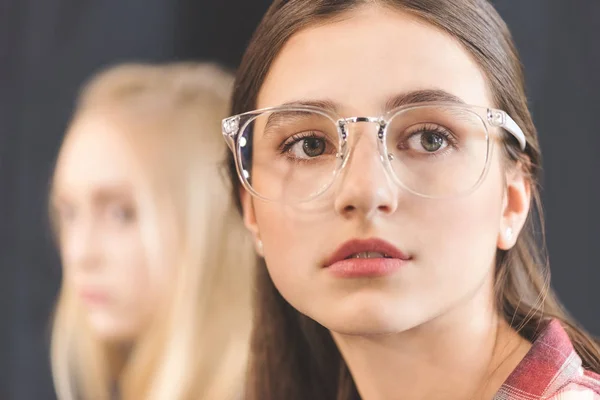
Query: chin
{"x": 367, "y": 316}
{"x": 110, "y": 329}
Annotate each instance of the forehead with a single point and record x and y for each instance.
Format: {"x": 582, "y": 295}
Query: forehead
{"x": 95, "y": 155}
{"x": 366, "y": 58}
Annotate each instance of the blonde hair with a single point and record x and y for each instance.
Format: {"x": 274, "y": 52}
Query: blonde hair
{"x": 197, "y": 347}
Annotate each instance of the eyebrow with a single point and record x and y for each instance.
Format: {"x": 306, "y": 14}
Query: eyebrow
{"x": 108, "y": 194}
{"x": 99, "y": 196}
{"x": 421, "y": 96}
{"x": 327, "y": 105}
{"x": 399, "y": 100}
{"x": 274, "y": 119}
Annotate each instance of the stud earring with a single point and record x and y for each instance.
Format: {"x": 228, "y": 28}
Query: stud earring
{"x": 259, "y": 247}
{"x": 509, "y": 233}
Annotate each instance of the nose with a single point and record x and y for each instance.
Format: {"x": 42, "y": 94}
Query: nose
{"x": 79, "y": 244}
{"x": 365, "y": 188}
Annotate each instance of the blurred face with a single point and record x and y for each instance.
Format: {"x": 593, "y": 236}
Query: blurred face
{"x": 418, "y": 258}
{"x": 100, "y": 240}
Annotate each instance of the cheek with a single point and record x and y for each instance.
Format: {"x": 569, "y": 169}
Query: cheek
{"x": 457, "y": 238}
{"x": 286, "y": 231}
{"x": 292, "y": 239}
{"x": 134, "y": 285}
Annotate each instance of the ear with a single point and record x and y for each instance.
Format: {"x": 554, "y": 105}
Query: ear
{"x": 250, "y": 219}
{"x": 515, "y": 207}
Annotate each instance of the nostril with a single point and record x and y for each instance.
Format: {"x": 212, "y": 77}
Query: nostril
{"x": 349, "y": 209}
{"x": 385, "y": 208}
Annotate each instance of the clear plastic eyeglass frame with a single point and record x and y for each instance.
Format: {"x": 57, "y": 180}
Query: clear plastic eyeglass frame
{"x": 232, "y": 128}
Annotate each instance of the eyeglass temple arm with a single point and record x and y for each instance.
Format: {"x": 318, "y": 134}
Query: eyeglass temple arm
{"x": 503, "y": 120}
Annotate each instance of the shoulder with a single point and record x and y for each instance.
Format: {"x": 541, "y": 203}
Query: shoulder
{"x": 552, "y": 370}
{"x": 584, "y": 386}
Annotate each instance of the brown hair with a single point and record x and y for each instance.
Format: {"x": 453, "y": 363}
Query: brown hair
{"x": 295, "y": 358}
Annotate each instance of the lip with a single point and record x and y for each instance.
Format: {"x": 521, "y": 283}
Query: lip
{"x": 340, "y": 265}
{"x": 94, "y": 296}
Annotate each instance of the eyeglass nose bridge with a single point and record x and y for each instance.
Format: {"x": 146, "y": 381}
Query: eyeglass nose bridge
{"x": 382, "y": 124}
{"x": 343, "y": 122}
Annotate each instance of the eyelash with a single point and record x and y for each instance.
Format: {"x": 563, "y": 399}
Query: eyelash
{"x": 287, "y": 145}
{"x": 446, "y": 134}
{"x": 124, "y": 213}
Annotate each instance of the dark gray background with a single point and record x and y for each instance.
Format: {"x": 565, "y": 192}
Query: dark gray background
{"x": 48, "y": 47}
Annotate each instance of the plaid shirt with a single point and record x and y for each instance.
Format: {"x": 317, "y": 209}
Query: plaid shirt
{"x": 551, "y": 370}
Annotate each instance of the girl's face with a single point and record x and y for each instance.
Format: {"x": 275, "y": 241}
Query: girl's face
{"x": 104, "y": 260}
{"x": 359, "y": 63}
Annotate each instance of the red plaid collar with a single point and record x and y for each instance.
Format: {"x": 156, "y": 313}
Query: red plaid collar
{"x": 550, "y": 366}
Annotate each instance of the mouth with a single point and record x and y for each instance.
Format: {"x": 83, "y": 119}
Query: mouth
{"x": 366, "y": 258}
{"x": 93, "y": 297}
{"x": 368, "y": 255}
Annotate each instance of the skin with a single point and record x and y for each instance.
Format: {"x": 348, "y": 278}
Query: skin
{"x": 434, "y": 319}
{"x": 104, "y": 259}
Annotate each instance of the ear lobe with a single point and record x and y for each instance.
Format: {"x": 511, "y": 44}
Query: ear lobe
{"x": 517, "y": 200}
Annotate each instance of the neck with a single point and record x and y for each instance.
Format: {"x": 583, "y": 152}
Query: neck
{"x": 466, "y": 353}
{"x": 119, "y": 354}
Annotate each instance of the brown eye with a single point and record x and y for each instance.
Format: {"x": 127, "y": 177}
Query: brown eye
{"x": 122, "y": 214}
{"x": 308, "y": 147}
{"x": 313, "y": 147}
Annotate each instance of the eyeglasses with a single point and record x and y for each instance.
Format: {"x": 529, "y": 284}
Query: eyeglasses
{"x": 293, "y": 154}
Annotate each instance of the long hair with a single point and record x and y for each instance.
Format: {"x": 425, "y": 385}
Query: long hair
{"x": 197, "y": 346}
{"x": 295, "y": 358}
